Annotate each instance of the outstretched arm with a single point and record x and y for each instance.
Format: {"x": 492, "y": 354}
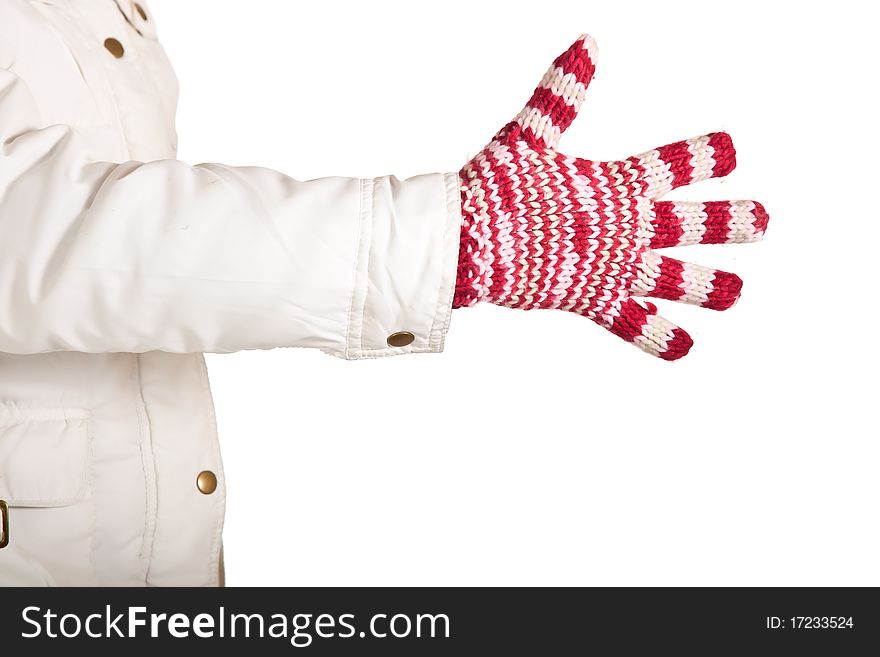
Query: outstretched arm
{"x": 132, "y": 256}
{"x": 100, "y": 256}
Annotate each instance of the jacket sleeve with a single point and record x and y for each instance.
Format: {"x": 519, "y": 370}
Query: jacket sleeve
{"x": 132, "y": 257}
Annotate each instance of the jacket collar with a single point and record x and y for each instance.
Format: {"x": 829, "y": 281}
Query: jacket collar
{"x": 135, "y": 13}
{"x": 127, "y": 8}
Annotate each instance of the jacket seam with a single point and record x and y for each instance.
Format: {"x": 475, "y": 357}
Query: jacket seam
{"x": 445, "y": 293}
{"x": 145, "y": 447}
{"x": 217, "y": 541}
{"x": 90, "y": 495}
{"x": 365, "y": 199}
{"x": 16, "y": 414}
{"x": 369, "y": 259}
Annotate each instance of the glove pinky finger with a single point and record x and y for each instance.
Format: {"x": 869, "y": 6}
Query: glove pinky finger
{"x": 641, "y": 325}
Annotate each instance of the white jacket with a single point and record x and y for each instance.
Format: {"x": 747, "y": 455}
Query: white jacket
{"x": 120, "y": 265}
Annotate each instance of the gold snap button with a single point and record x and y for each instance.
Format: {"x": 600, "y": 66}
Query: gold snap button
{"x": 140, "y": 10}
{"x": 400, "y": 339}
{"x": 114, "y": 47}
{"x": 4, "y": 524}
{"x": 206, "y": 482}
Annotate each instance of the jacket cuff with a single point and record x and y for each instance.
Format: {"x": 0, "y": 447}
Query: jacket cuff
{"x": 406, "y": 264}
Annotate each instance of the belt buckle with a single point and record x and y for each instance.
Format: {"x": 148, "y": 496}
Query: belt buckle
{"x": 4, "y": 524}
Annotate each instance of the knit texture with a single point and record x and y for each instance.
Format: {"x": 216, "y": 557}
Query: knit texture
{"x": 545, "y": 230}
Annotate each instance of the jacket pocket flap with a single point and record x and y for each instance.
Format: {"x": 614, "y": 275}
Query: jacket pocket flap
{"x": 44, "y": 455}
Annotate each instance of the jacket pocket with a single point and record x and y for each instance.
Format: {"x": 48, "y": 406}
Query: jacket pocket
{"x": 44, "y": 456}
{"x": 44, "y": 481}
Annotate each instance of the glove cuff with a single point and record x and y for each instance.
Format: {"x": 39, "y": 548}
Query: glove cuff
{"x": 471, "y": 277}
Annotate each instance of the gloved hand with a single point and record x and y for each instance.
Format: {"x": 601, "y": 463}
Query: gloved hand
{"x": 544, "y": 230}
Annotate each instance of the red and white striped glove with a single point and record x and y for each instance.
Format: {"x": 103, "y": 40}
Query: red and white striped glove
{"x": 544, "y": 230}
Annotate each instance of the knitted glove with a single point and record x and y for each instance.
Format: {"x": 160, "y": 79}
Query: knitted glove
{"x": 544, "y": 230}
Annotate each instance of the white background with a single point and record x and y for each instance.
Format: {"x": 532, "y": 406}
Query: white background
{"x": 539, "y": 449}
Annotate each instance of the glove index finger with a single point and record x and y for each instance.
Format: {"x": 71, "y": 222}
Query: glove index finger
{"x": 686, "y": 162}
{"x": 559, "y": 96}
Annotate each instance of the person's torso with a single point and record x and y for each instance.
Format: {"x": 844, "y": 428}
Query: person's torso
{"x": 100, "y": 453}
